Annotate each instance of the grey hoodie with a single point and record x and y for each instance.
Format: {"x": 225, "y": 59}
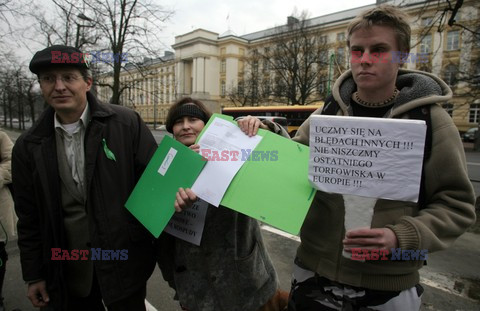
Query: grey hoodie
{"x": 449, "y": 196}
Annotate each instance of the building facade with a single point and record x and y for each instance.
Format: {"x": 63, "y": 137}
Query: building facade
{"x": 212, "y": 67}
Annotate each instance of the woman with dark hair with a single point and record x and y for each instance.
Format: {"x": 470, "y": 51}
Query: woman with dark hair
{"x": 230, "y": 269}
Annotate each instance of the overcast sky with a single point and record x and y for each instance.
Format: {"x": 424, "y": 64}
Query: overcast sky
{"x": 244, "y": 16}
{"x": 240, "y": 16}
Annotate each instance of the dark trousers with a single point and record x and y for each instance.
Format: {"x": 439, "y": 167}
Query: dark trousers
{"x": 321, "y": 294}
{"x": 3, "y": 262}
{"x": 93, "y": 302}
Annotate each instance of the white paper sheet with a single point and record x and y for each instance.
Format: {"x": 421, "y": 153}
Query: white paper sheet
{"x": 370, "y": 157}
{"x": 188, "y": 225}
{"x": 358, "y": 214}
{"x": 216, "y": 176}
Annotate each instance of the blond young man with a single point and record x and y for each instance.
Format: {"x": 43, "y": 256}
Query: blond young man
{"x": 323, "y": 278}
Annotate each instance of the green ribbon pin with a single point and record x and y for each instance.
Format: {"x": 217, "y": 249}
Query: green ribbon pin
{"x": 107, "y": 151}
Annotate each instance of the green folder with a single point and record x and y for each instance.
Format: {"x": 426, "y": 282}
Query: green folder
{"x": 274, "y": 191}
{"x": 172, "y": 166}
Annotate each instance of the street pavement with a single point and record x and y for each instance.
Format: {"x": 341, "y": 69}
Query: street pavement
{"x": 451, "y": 278}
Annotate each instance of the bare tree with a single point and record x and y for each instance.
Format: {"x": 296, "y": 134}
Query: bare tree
{"x": 460, "y": 66}
{"x": 117, "y": 31}
{"x": 8, "y": 9}
{"x": 130, "y": 27}
{"x": 18, "y": 97}
{"x": 255, "y": 86}
{"x": 295, "y": 55}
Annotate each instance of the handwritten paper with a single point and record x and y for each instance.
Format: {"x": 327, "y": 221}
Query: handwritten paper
{"x": 370, "y": 157}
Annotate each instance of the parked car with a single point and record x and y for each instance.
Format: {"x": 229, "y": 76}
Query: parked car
{"x": 469, "y": 136}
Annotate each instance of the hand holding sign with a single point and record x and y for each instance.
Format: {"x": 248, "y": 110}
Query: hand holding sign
{"x": 365, "y": 159}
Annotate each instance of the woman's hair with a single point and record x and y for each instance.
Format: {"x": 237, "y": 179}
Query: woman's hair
{"x": 384, "y": 15}
{"x": 187, "y": 106}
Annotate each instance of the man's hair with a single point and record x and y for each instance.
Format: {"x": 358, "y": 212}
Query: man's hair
{"x": 384, "y": 15}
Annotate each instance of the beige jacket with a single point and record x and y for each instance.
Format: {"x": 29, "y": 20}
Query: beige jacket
{"x": 8, "y": 218}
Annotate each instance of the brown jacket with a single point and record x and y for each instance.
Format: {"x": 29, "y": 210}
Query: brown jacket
{"x": 7, "y": 215}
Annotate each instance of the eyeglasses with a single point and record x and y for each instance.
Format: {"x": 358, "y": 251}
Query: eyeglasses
{"x": 51, "y": 79}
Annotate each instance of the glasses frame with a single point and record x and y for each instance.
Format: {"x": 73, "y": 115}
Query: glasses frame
{"x": 67, "y": 78}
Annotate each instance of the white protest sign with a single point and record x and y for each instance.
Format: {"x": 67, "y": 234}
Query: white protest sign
{"x": 370, "y": 157}
{"x": 188, "y": 225}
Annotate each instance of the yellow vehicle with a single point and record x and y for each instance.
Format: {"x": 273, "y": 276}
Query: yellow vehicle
{"x": 295, "y": 114}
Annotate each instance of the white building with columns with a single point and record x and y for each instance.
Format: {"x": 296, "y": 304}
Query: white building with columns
{"x": 206, "y": 65}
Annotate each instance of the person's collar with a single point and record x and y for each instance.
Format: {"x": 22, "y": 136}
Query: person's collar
{"x": 84, "y": 118}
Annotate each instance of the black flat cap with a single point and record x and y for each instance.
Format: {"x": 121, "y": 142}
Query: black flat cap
{"x": 58, "y": 55}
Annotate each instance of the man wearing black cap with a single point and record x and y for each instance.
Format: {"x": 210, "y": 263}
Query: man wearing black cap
{"x": 72, "y": 173}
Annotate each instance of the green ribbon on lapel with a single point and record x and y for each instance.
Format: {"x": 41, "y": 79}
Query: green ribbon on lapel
{"x": 107, "y": 151}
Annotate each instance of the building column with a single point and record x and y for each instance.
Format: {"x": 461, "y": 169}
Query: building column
{"x": 200, "y": 77}
{"x": 181, "y": 77}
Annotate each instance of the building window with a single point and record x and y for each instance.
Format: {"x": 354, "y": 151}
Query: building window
{"x": 424, "y": 67}
{"x": 279, "y": 87}
{"x": 474, "y": 113}
{"x": 341, "y": 37}
{"x": 266, "y": 65}
{"x": 322, "y": 87}
{"x": 341, "y": 56}
{"x": 323, "y": 39}
{"x": 476, "y": 74}
{"x": 427, "y": 21}
{"x": 223, "y": 66}
{"x": 450, "y": 74}
{"x": 241, "y": 66}
{"x": 458, "y": 16}
{"x": 223, "y": 88}
{"x": 452, "y": 40}
{"x": 266, "y": 88}
{"x": 240, "y": 88}
{"x": 448, "y": 108}
{"x": 425, "y": 44}
{"x": 324, "y": 57}
{"x": 255, "y": 66}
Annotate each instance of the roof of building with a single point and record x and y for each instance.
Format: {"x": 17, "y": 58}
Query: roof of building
{"x": 227, "y": 33}
{"x": 328, "y": 19}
